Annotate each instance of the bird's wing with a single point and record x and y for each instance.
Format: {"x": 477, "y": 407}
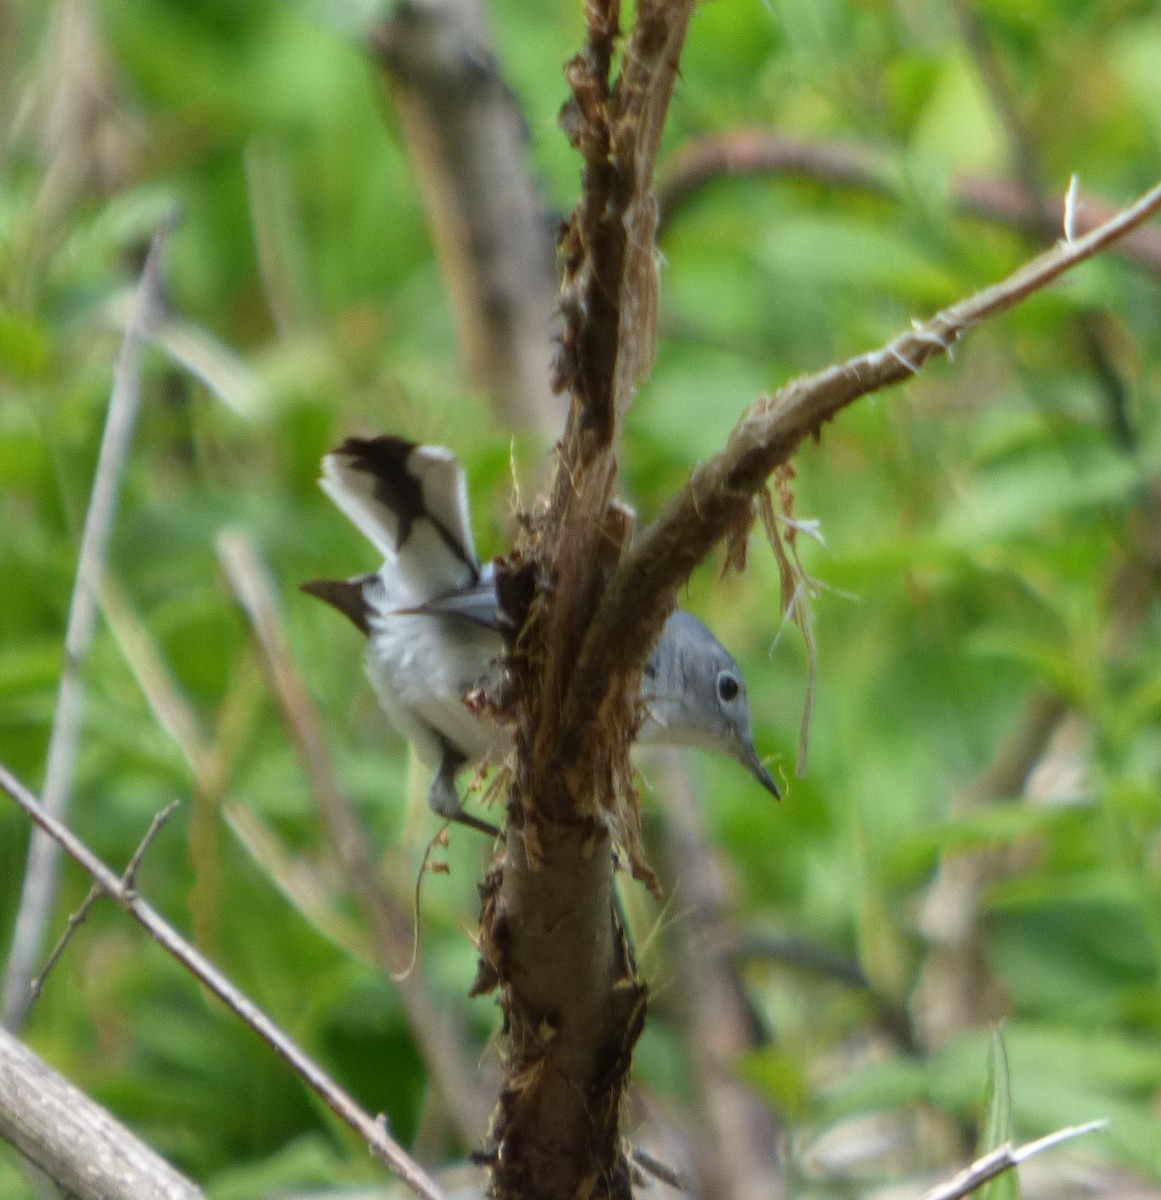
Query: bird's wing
{"x": 412, "y": 502}
{"x": 476, "y": 605}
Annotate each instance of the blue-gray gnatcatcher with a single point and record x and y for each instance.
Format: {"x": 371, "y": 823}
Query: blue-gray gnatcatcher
{"x": 430, "y": 616}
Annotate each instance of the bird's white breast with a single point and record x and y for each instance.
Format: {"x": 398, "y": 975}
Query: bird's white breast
{"x": 421, "y": 667}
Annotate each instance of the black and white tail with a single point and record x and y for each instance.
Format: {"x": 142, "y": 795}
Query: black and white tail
{"x": 411, "y": 501}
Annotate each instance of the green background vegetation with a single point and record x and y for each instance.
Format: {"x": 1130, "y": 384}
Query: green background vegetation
{"x": 979, "y": 524}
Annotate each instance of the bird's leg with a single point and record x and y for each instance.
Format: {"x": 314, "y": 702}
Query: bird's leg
{"x": 445, "y": 800}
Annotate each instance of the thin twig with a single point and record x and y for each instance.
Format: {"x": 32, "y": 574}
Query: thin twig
{"x": 215, "y": 364}
{"x": 795, "y": 951}
{"x": 721, "y": 493}
{"x": 372, "y": 1130}
{"x": 128, "y": 881}
{"x": 129, "y": 878}
{"x": 661, "y": 1170}
{"x": 42, "y": 872}
{"x": 75, "y": 921}
{"x": 1004, "y": 1158}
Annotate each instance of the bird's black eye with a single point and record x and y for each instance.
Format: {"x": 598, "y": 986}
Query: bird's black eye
{"x": 728, "y": 687}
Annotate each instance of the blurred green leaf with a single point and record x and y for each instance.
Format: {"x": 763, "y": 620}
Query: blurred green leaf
{"x": 996, "y": 1129}
{"x": 309, "y": 1161}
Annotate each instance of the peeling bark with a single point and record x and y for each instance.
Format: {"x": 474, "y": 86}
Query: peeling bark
{"x": 572, "y": 999}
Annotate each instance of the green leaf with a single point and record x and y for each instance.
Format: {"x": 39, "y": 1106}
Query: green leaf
{"x": 996, "y": 1128}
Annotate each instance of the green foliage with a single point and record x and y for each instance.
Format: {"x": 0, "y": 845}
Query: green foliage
{"x": 997, "y": 1126}
{"x": 981, "y": 529}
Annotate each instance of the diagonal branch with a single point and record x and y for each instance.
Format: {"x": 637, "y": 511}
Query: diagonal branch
{"x": 96, "y": 892}
{"x": 76, "y": 1142}
{"x": 372, "y": 1130}
{"x": 747, "y": 152}
{"x": 43, "y": 868}
{"x": 720, "y": 495}
{"x": 1006, "y": 1158}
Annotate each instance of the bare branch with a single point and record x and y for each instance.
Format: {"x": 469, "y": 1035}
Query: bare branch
{"x": 1004, "y": 1158}
{"x": 721, "y": 493}
{"x": 372, "y": 1130}
{"x": 609, "y": 301}
{"x": 75, "y": 1141}
{"x": 738, "y": 153}
{"x": 444, "y": 1044}
{"x": 75, "y": 921}
{"x": 494, "y": 239}
{"x": 129, "y": 881}
{"x": 1000, "y": 201}
{"x": 43, "y": 868}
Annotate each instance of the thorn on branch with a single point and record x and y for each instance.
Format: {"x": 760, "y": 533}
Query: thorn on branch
{"x": 1070, "y": 207}
{"x": 902, "y": 359}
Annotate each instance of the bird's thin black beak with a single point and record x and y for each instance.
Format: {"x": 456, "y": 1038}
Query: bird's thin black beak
{"x": 759, "y": 770}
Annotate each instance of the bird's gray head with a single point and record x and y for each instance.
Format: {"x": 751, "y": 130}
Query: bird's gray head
{"x": 695, "y": 695}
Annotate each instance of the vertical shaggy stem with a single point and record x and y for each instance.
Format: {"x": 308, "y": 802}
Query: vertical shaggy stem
{"x": 573, "y": 1003}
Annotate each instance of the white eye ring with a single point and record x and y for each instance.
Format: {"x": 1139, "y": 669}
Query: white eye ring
{"x": 728, "y": 686}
